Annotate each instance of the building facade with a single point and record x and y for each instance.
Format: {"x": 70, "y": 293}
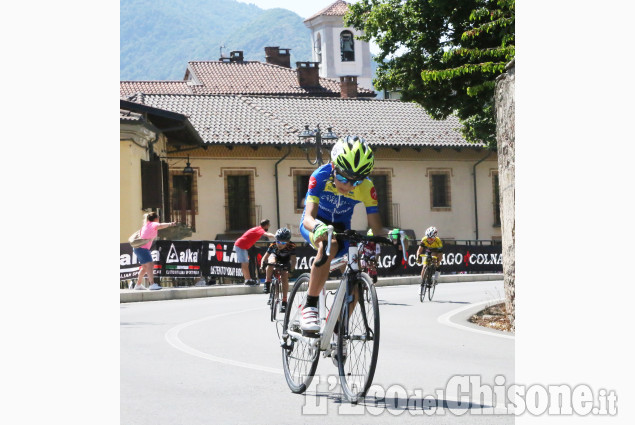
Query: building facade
{"x": 222, "y": 148}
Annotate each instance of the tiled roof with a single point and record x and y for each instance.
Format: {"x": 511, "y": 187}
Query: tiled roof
{"x": 253, "y": 77}
{"x": 248, "y": 77}
{"x": 128, "y": 116}
{"x": 222, "y": 119}
{"x": 127, "y": 88}
{"x": 339, "y": 8}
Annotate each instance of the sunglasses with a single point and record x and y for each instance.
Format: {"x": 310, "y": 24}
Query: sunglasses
{"x": 281, "y": 242}
{"x": 345, "y": 180}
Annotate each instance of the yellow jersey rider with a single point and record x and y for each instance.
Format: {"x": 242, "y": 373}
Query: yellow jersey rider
{"x": 431, "y": 242}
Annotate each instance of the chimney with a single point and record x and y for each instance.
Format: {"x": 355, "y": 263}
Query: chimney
{"x": 348, "y": 87}
{"x": 308, "y": 74}
{"x": 278, "y": 56}
{"x": 236, "y": 56}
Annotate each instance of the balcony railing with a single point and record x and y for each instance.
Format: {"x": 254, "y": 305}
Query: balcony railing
{"x": 395, "y": 215}
{"x": 183, "y": 213}
{"x": 237, "y": 220}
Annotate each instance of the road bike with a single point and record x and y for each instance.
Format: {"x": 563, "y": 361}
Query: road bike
{"x": 350, "y": 334}
{"x": 275, "y": 294}
{"x": 428, "y": 284}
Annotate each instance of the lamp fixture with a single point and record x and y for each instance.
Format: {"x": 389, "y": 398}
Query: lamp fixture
{"x": 316, "y": 133}
{"x": 188, "y": 169}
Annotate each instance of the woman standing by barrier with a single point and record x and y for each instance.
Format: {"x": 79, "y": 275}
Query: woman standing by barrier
{"x": 149, "y": 231}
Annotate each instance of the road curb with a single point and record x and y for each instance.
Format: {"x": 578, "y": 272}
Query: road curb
{"x": 129, "y": 295}
{"x": 460, "y": 319}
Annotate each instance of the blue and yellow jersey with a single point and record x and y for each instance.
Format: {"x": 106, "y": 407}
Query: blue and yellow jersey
{"x": 437, "y": 245}
{"x": 333, "y": 206}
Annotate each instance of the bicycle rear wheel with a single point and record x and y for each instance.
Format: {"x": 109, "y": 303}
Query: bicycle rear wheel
{"x": 299, "y": 359}
{"x": 275, "y": 290}
{"x": 360, "y": 341}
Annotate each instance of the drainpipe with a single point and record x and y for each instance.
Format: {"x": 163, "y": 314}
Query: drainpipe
{"x": 475, "y": 198}
{"x": 276, "y": 174}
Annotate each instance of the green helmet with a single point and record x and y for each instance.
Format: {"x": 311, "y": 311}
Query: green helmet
{"x": 352, "y": 157}
{"x": 370, "y": 232}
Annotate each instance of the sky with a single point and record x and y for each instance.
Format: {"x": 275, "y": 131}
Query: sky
{"x": 302, "y": 8}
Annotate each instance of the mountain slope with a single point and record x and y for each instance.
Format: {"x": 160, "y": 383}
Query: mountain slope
{"x": 159, "y": 37}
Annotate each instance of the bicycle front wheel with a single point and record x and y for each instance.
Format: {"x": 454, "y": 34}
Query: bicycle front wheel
{"x": 422, "y": 292}
{"x": 358, "y": 341}
{"x": 275, "y": 290}
{"x": 299, "y": 359}
{"x": 433, "y": 286}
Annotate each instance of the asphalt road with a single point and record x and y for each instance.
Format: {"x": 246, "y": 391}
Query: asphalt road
{"x": 217, "y": 360}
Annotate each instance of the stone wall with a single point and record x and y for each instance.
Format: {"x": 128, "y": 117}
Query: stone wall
{"x": 505, "y": 136}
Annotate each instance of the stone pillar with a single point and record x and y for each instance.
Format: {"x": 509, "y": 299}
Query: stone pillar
{"x": 505, "y": 137}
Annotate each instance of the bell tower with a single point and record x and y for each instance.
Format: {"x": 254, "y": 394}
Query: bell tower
{"x": 335, "y": 47}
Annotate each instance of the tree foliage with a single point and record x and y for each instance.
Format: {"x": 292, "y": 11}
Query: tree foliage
{"x": 443, "y": 54}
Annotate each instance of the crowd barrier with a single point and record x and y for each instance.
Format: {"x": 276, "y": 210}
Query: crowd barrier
{"x": 217, "y": 259}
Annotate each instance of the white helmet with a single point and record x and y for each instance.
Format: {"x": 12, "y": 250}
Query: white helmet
{"x": 431, "y": 232}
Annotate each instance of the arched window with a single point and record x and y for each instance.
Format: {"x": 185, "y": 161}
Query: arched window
{"x": 347, "y": 46}
{"x": 318, "y": 47}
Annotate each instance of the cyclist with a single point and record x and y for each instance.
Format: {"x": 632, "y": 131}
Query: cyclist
{"x": 432, "y": 243}
{"x": 368, "y": 252}
{"x": 281, "y": 251}
{"x": 334, "y": 190}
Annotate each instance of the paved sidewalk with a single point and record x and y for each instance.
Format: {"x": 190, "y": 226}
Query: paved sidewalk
{"x": 129, "y": 295}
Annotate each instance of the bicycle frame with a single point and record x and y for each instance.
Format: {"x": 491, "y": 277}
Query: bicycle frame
{"x": 329, "y": 317}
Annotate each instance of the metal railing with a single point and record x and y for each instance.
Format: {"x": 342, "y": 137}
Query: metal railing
{"x": 254, "y": 217}
{"x": 395, "y": 215}
{"x": 182, "y": 214}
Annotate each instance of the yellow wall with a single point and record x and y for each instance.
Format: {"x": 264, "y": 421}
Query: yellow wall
{"x": 131, "y": 152}
{"x": 130, "y": 212}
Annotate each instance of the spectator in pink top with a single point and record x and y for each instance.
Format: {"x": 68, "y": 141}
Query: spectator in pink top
{"x": 149, "y": 230}
{"x": 246, "y": 241}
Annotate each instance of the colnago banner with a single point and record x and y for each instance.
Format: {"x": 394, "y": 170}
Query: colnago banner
{"x": 218, "y": 259}
{"x": 454, "y": 259}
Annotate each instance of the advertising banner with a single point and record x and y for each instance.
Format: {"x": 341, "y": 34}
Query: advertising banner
{"x": 179, "y": 258}
{"x": 218, "y": 259}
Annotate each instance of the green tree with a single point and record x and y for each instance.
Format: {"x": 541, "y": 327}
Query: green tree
{"x": 443, "y": 54}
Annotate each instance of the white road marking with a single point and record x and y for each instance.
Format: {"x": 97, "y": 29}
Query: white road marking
{"x": 445, "y": 319}
{"x": 172, "y": 337}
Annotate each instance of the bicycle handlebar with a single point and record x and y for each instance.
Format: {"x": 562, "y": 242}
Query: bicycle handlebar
{"x": 353, "y": 236}
{"x": 281, "y": 266}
